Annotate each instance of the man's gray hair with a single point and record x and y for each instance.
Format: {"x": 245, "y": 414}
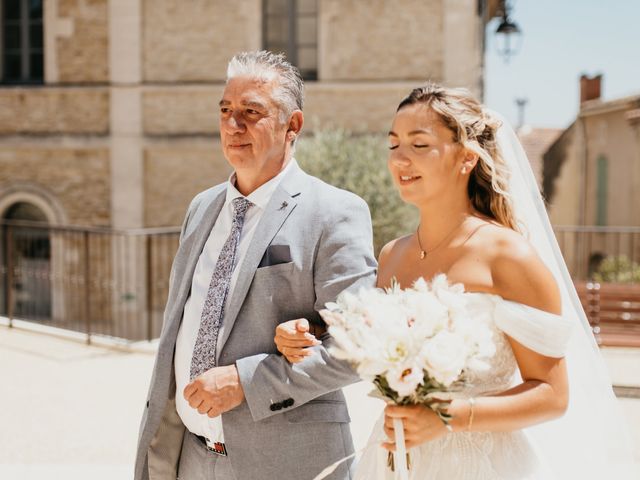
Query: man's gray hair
{"x": 268, "y": 66}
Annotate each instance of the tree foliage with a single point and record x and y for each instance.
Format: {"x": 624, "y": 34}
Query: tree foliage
{"x": 618, "y": 269}
{"x": 358, "y": 163}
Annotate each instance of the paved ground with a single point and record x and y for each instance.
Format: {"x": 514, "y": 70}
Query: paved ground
{"x": 70, "y": 411}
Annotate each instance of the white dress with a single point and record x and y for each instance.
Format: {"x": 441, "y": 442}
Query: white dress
{"x": 483, "y": 455}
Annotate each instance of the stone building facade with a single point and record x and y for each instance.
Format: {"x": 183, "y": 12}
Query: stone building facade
{"x": 109, "y": 118}
{"x": 591, "y": 178}
{"x": 120, "y": 130}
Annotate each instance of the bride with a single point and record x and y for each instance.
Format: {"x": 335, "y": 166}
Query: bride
{"x": 545, "y": 409}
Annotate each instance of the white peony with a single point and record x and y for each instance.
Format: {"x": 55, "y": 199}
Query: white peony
{"x": 405, "y": 378}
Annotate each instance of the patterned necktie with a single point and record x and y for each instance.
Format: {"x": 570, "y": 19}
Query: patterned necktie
{"x": 204, "y": 351}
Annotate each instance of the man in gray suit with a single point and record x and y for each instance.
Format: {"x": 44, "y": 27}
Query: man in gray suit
{"x": 270, "y": 245}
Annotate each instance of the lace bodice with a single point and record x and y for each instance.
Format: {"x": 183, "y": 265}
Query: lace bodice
{"x": 502, "y": 366}
{"x": 484, "y": 455}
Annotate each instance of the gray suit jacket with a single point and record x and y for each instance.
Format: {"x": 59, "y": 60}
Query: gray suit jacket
{"x": 313, "y": 241}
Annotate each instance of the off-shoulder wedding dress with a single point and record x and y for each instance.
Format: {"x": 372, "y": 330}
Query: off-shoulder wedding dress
{"x": 484, "y": 455}
{"x": 591, "y": 441}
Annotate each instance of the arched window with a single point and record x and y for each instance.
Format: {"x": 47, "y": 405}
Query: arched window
{"x": 27, "y": 251}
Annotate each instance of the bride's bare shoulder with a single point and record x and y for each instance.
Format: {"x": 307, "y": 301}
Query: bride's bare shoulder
{"x": 389, "y": 254}
{"x": 395, "y": 247}
{"x": 518, "y": 272}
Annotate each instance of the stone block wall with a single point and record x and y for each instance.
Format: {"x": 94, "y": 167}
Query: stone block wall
{"x": 192, "y": 41}
{"x": 381, "y": 40}
{"x": 77, "y": 177}
{"x": 54, "y": 111}
{"x": 174, "y": 174}
{"x": 82, "y": 56}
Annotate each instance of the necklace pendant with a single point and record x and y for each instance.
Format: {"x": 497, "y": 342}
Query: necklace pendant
{"x": 422, "y": 254}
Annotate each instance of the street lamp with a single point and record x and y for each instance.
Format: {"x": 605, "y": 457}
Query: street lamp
{"x": 508, "y": 35}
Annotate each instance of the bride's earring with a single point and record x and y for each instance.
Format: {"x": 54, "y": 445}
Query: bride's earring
{"x": 464, "y": 170}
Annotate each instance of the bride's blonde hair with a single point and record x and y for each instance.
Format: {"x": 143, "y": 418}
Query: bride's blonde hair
{"x": 475, "y": 130}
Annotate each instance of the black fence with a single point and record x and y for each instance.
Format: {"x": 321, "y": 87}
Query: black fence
{"x": 115, "y": 283}
{"x": 603, "y": 254}
{"x": 90, "y": 280}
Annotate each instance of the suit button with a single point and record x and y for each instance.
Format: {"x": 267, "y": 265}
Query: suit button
{"x": 147, "y": 403}
{"x": 288, "y": 402}
{"x": 276, "y": 406}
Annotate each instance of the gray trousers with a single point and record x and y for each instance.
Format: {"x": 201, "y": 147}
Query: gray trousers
{"x": 197, "y": 463}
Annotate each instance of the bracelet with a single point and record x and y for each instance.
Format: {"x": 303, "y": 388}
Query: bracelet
{"x": 472, "y": 402}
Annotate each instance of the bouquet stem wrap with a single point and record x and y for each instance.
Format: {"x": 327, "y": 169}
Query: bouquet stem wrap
{"x": 402, "y": 472}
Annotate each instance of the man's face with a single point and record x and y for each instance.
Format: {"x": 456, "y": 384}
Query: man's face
{"x": 254, "y": 141}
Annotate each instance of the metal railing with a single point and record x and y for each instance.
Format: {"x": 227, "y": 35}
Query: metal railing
{"x": 606, "y": 254}
{"x": 115, "y": 283}
{"x": 90, "y": 280}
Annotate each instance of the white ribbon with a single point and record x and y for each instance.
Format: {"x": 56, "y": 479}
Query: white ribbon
{"x": 400, "y": 456}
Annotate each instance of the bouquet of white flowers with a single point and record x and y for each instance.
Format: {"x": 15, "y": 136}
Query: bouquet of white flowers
{"x": 414, "y": 344}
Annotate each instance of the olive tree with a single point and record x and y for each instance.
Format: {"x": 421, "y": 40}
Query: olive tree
{"x": 358, "y": 163}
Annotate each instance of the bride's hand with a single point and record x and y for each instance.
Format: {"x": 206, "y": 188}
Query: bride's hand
{"x": 293, "y": 340}
{"x": 421, "y": 424}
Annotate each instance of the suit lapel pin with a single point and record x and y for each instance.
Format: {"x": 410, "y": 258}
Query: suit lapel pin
{"x": 283, "y": 206}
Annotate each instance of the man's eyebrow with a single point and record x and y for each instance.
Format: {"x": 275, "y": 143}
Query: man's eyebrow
{"x": 248, "y": 103}
{"x": 253, "y": 103}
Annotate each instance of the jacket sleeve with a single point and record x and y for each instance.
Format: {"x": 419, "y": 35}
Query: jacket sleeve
{"x": 344, "y": 260}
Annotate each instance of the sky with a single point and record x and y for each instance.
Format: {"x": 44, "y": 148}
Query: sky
{"x": 561, "y": 40}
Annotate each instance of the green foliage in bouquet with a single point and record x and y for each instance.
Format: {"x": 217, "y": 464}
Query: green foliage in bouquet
{"x": 618, "y": 269}
{"x": 422, "y": 395}
{"x": 358, "y": 163}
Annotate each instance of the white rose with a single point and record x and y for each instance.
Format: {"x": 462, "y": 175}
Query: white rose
{"x": 444, "y": 357}
{"x": 404, "y": 379}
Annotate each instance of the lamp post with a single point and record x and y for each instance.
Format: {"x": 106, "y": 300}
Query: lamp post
{"x": 521, "y": 103}
{"x": 508, "y": 34}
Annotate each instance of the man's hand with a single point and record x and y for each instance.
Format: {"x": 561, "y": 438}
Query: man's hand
{"x": 215, "y": 391}
{"x": 293, "y": 339}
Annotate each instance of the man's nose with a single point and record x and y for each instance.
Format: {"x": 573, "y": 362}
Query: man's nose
{"x": 234, "y": 124}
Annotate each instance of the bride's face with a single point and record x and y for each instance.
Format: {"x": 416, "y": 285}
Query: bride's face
{"x": 423, "y": 158}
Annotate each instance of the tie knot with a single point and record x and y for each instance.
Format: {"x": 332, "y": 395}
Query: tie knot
{"x": 240, "y": 206}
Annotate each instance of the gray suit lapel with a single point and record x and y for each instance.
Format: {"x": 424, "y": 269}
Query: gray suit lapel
{"x": 280, "y": 206}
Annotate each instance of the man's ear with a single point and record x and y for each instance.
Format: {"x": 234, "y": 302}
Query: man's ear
{"x": 295, "y": 125}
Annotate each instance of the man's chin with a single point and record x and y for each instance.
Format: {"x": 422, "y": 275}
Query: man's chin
{"x": 239, "y": 160}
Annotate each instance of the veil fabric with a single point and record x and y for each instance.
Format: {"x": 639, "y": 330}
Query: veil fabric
{"x": 591, "y": 440}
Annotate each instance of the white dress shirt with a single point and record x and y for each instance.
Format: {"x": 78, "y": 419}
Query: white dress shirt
{"x": 201, "y": 424}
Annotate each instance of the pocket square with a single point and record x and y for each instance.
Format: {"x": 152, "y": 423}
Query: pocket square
{"x": 275, "y": 255}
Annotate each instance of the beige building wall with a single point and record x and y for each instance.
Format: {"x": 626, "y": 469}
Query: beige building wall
{"x": 174, "y": 172}
{"x": 54, "y": 110}
{"x": 77, "y": 178}
{"x": 82, "y": 45}
{"x": 611, "y": 136}
{"x": 564, "y": 202}
{"x": 193, "y": 41}
{"x": 129, "y": 106}
{"x": 380, "y": 40}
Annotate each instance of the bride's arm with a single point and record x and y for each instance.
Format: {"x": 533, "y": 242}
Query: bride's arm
{"x": 518, "y": 275}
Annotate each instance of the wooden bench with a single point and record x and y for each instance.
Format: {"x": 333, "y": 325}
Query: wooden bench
{"x": 613, "y": 311}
